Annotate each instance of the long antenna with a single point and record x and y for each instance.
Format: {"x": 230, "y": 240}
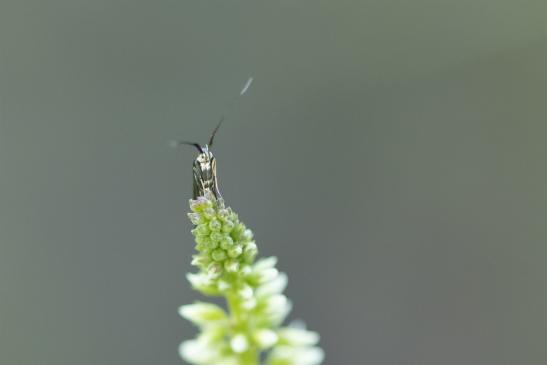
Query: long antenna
{"x": 215, "y": 131}
{"x": 233, "y": 104}
{"x": 176, "y": 144}
{"x": 246, "y": 87}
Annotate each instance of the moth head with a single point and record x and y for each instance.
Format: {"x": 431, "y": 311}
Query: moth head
{"x": 205, "y": 157}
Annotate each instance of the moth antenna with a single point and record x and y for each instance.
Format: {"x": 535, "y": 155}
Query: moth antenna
{"x": 176, "y": 144}
{"x": 246, "y": 86}
{"x": 234, "y": 102}
{"x": 215, "y": 131}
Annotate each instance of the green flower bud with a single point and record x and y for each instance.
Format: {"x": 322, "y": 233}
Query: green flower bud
{"x": 202, "y": 229}
{"x": 202, "y": 240}
{"x": 200, "y": 204}
{"x": 195, "y": 218}
{"x": 208, "y": 213}
{"x": 218, "y": 255}
{"x": 216, "y": 236}
{"x": 235, "y": 251}
{"x": 247, "y": 235}
{"x": 227, "y": 226}
{"x": 238, "y": 230}
{"x": 250, "y": 251}
{"x": 226, "y": 242}
{"x": 231, "y": 265}
{"x": 211, "y": 245}
{"x": 214, "y": 270}
{"x": 215, "y": 225}
{"x": 223, "y": 214}
{"x": 198, "y": 260}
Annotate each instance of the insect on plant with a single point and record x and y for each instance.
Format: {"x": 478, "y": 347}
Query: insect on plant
{"x": 249, "y": 329}
{"x": 205, "y": 166}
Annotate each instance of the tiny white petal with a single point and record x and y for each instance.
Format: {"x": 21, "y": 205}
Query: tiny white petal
{"x": 239, "y": 343}
{"x": 278, "y": 307}
{"x": 246, "y": 270}
{"x": 297, "y": 355}
{"x": 298, "y": 337}
{"x": 202, "y": 313}
{"x": 275, "y": 286}
{"x": 265, "y": 263}
{"x": 196, "y": 351}
{"x": 265, "y": 338}
{"x": 223, "y": 285}
{"x": 246, "y": 292}
{"x": 202, "y": 283}
{"x": 277, "y": 301}
{"x": 247, "y": 235}
{"x": 195, "y": 218}
{"x": 310, "y": 356}
{"x": 194, "y": 278}
{"x": 267, "y": 275}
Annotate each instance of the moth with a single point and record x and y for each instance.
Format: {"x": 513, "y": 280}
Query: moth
{"x": 204, "y": 167}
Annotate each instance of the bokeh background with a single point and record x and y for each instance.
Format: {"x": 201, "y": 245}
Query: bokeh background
{"x": 392, "y": 154}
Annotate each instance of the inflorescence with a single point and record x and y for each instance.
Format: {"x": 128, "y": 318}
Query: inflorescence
{"x": 256, "y": 308}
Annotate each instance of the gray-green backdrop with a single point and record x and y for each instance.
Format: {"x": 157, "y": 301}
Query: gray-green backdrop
{"x": 392, "y": 154}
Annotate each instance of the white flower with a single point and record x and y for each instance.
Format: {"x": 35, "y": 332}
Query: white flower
{"x": 265, "y": 338}
{"x": 223, "y": 285}
{"x": 277, "y": 307}
{"x": 297, "y": 336}
{"x": 263, "y": 271}
{"x": 288, "y": 355}
{"x": 239, "y": 343}
{"x": 207, "y": 349}
{"x": 265, "y": 263}
{"x": 273, "y": 287}
{"x": 203, "y": 314}
{"x": 246, "y": 292}
{"x": 203, "y": 283}
{"x": 199, "y": 352}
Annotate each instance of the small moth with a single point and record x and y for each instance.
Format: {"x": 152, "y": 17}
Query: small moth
{"x": 204, "y": 167}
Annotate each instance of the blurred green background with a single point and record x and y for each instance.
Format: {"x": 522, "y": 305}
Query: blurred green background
{"x": 392, "y": 154}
